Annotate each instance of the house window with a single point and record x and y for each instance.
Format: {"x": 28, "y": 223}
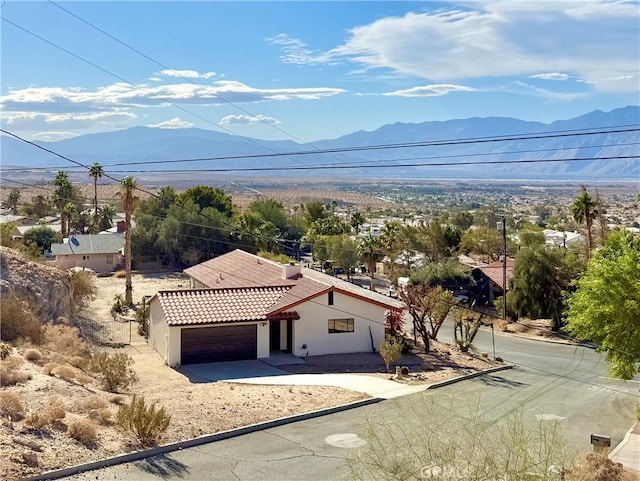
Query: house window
{"x": 85, "y": 258}
{"x": 330, "y": 298}
{"x": 340, "y": 325}
{"x": 109, "y": 259}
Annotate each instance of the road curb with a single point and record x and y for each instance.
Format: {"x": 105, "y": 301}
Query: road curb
{"x": 454, "y": 380}
{"x": 586, "y": 344}
{"x": 189, "y": 443}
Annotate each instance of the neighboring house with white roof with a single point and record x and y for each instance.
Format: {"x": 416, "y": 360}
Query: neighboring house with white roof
{"x": 562, "y": 238}
{"x": 20, "y": 230}
{"x": 100, "y": 252}
{"x": 241, "y": 306}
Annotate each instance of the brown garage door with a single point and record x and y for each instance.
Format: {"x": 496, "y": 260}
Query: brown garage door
{"x": 223, "y": 343}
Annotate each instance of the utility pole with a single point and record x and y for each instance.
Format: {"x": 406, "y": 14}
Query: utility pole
{"x": 503, "y": 225}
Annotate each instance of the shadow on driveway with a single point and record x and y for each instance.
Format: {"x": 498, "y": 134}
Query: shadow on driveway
{"x": 163, "y": 466}
{"x": 226, "y": 371}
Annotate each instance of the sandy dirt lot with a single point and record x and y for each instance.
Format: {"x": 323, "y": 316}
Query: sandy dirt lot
{"x": 195, "y": 408}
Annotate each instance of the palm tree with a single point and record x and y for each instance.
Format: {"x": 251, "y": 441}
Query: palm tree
{"x": 357, "y": 219}
{"x": 105, "y": 219}
{"x": 584, "y": 209}
{"x": 127, "y": 188}
{"x": 95, "y": 172}
{"x": 369, "y": 250}
{"x": 61, "y": 195}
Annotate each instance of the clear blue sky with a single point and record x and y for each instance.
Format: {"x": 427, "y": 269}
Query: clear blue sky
{"x": 311, "y": 70}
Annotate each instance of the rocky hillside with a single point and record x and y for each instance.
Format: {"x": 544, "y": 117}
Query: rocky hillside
{"x": 48, "y": 289}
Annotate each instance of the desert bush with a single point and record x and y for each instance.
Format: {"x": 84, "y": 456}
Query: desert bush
{"x": 5, "y": 350}
{"x": 597, "y": 467}
{"x": 94, "y": 402}
{"x": 120, "y": 274}
{"x": 146, "y": 423}
{"x": 84, "y": 287}
{"x": 55, "y": 410}
{"x": 391, "y": 350}
{"x": 18, "y": 321}
{"x": 37, "y": 419}
{"x": 83, "y": 430}
{"x": 638, "y": 411}
{"x": 69, "y": 374}
{"x": 11, "y": 377}
{"x": 501, "y": 325}
{"x": 12, "y": 362}
{"x": 77, "y": 361}
{"x": 103, "y": 416}
{"x": 117, "y": 399}
{"x": 32, "y": 355}
{"x": 113, "y": 370}
{"x": 49, "y": 367}
{"x": 11, "y": 405}
{"x": 65, "y": 339}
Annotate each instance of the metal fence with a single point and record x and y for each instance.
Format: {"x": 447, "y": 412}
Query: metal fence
{"x": 116, "y": 332}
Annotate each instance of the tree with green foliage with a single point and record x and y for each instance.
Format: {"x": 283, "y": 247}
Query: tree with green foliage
{"x": 96, "y": 171}
{"x": 531, "y": 238}
{"x": 428, "y": 308}
{"x": 484, "y": 242}
{"x": 13, "y": 198}
{"x": 605, "y": 307}
{"x": 205, "y": 196}
{"x": 312, "y": 211}
{"x": 106, "y": 213}
{"x": 541, "y": 277}
{"x": 344, "y": 252}
{"x": 42, "y": 236}
{"x": 391, "y": 243}
{"x": 449, "y": 274}
{"x": 436, "y": 241}
{"x": 462, "y": 220}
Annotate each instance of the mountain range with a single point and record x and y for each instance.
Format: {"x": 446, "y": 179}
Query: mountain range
{"x": 445, "y": 149}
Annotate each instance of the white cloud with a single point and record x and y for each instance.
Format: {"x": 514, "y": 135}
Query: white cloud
{"x": 155, "y": 79}
{"x": 435, "y": 90}
{"x": 591, "y": 40}
{"x": 53, "y": 136}
{"x": 248, "y": 119}
{"x": 174, "y": 123}
{"x": 551, "y": 76}
{"x": 120, "y": 96}
{"x": 526, "y": 89}
{"x": 187, "y": 74}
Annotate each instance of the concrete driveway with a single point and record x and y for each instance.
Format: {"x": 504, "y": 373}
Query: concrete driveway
{"x": 258, "y": 372}
{"x": 229, "y": 371}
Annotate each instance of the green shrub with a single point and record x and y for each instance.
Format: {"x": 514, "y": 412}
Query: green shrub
{"x": 638, "y": 411}
{"x": 119, "y": 305}
{"x": 18, "y": 322}
{"x": 146, "y": 423}
{"x": 113, "y": 370}
{"x": 391, "y": 350}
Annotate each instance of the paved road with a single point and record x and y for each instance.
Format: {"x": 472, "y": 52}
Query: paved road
{"x": 551, "y": 381}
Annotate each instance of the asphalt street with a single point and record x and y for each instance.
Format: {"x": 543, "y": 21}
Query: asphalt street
{"x": 564, "y": 383}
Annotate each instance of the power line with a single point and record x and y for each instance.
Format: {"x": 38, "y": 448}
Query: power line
{"x": 406, "y": 145}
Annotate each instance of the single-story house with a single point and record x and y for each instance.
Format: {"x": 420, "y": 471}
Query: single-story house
{"x": 20, "y": 230}
{"x": 241, "y": 306}
{"x": 488, "y": 280}
{"x": 100, "y": 252}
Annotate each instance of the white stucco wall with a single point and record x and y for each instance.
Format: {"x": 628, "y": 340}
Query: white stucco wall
{"x": 312, "y": 327}
{"x": 97, "y": 262}
{"x": 158, "y": 329}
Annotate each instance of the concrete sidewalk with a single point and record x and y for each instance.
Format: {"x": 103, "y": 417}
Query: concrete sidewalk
{"x": 628, "y": 451}
{"x": 371, "y": 385}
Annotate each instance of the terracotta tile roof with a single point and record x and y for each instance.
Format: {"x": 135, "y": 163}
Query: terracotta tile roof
{"x": 494, "y": 271}
{"x": 241, "y": 269}
{"x": 206, "y": 306}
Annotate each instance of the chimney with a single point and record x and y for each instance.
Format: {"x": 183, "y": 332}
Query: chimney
{"x": 291, "y": 270}
{"x": 121, "y": 226}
